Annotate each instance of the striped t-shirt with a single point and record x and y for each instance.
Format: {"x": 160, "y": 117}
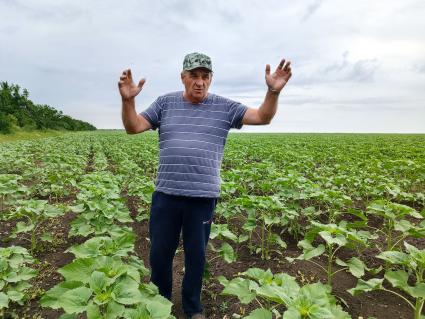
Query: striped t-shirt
{"x": 191, "y": 141}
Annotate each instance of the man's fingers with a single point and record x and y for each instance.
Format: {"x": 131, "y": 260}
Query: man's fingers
{"x": 267, "y": 69}
{"x": 129, "y": 74}
{"x": 287, "y": 66}
{"x": 141, "y": 83}
{"x": 280, "y": 66}
{"x": 126, "y": 79}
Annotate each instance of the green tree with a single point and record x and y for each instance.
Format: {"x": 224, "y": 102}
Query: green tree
{"x": 17, "y": 109}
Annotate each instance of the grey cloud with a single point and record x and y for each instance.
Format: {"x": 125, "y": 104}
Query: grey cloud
{"x": 382, "y": 102}
{"x": 311, "y": 9}
{"x": 351, "y": 104}
{"x": 420, "y": 68}
{"x": 338, "y": 66}
{"x": 82, "y": 47}
{"x": 363, "y": 70}
{"x": 237, "y": 84}
{"x": 52, "y": 12}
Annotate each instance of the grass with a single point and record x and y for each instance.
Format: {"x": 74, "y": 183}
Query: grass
{"x": 29, "y": 135}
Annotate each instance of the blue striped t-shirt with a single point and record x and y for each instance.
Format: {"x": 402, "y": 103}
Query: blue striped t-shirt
{"x": 191, "y": 141}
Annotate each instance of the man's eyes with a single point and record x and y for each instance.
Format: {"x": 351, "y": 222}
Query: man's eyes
{"x": 203, "y": 76}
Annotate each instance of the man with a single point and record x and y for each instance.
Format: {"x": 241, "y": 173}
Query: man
{"x": 193, "y": 127}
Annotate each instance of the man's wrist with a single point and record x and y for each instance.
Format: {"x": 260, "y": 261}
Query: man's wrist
{"x": 273, "y": 91}
{"x": 128, "y": 103}
{"x": 129, "y": 99}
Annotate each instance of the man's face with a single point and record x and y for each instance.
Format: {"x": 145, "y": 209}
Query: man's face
{"x": 196, "y": 83}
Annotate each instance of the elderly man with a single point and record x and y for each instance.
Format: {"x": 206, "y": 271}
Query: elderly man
{"x": 193, "y": 126}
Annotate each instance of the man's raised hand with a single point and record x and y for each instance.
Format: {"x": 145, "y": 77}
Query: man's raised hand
{"x": 277, "y": 80}
{"x": 128, "y": 89}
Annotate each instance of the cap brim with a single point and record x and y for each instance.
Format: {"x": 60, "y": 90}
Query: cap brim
{"x": 198, "y": 67}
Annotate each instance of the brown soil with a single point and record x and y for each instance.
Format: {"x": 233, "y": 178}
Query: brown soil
{"x": 52, "y": 257}
{"x": 378, "y": 304}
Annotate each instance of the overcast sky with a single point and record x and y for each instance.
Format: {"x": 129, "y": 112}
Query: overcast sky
{"x": 358, "y": 66}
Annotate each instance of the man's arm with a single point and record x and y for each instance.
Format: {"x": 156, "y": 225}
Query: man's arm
{"x": 134, "y": 123}
{"x": 275, "y": 83}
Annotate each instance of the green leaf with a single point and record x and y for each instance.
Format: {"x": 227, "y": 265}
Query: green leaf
{"x": 159, "y": 307}
{"x": 292, "y": 313}
{"x": 338, "y": 239}
{"x": 416, "y": 254}
{"x": 398, "y": 279}
{"x": 418, "y": 291}
{"x": 4, "y": 300}
{"x": 277, "y": 239}
{"x": 114, "y": 310}
{"x": 78, "y": 270}
{"x": 52, "y": 297}
{"x": 226, "y": 251}
{"x": 222, "y": 280}
{"x": 261, "y": 275}
{"x": 366, "y": 286}
{"x": 226, "y": 233}
{"x": 47, "y": 237}
{"x": 309, "y": 254}
{"x": 75, "y": 300}
{"x": 274, "y": 293}
{"x": 26, "y": 273}
{"x": 242, "y": 238}
{"x": 375, "y": 271}
{"x": 22, "y": 227}
{"x": 139, "y": 313}
{"x": 98, "y": 281}
{"x": 356, "y": 267}
{"x": 341, "y": 262}
{"x": 90, "y": 248}
{"x": 394, "y": 257}
{"x": 240, "y": 288}
{"x": 403, "y": 226}
{"x": 93, "y": 311}
{"x": 15, "y": 295}
{"x": 260, "y": 314}
{"x": 338, "y": 313}
{"x": 53, "y": 211}
{"x": 126, "y": 291}
{"x": 77, "y": 208}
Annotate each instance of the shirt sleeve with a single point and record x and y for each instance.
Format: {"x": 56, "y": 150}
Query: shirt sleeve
{"x": 236, "y": 113}
{"x": 153, "y": 113}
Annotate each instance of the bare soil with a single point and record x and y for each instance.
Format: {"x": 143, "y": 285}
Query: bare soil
{"x": 51, "y": 257}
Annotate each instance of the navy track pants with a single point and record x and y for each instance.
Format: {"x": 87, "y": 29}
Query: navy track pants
{"x": 171, "y": 214}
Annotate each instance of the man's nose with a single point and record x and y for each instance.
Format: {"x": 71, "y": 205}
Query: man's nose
{"x": 199, "y": 82}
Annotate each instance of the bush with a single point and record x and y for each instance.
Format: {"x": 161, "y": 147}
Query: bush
{"x": 5, "y": 124}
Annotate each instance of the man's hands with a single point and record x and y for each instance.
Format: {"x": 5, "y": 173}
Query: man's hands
{"x": 277, "y": 80}
{"x": 128, "y": 89}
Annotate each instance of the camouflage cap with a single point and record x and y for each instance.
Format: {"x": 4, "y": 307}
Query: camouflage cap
{"x": 196, "y": 60}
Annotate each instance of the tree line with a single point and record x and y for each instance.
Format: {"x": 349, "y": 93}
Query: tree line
{"x": 18, "y": 111}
